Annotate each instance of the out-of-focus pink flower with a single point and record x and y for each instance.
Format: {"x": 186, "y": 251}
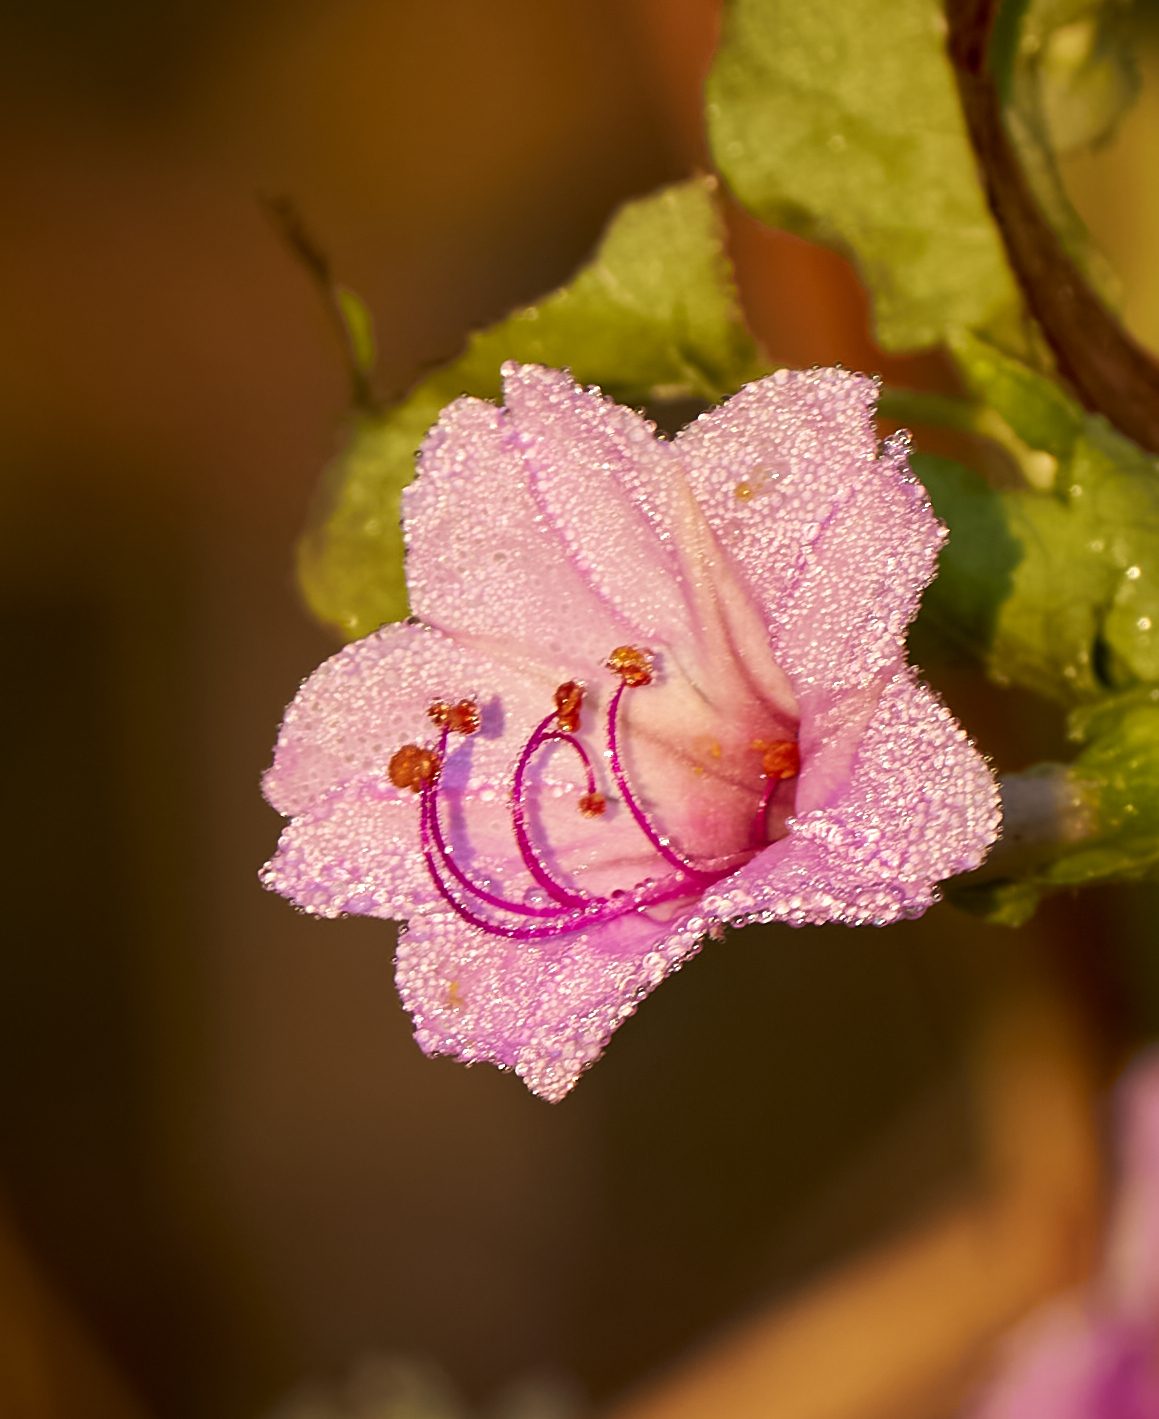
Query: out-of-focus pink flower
{"x": 655, "y": 688}
{"x": 1095, "y": 1354}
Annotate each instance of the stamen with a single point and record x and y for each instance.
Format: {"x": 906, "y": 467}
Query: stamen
{"x": 568, "y": 699}
{"x": 555, "y": 926}
{"x": 598, "y": 911}
{"x": 631, "y": 664}
{"x": 551, "y": 921}
{"x": 414, "y": 767}
{"x": 780, "y": 760}
{"x": 462, "y": 718}
{"x": 544, "y": 734}
{"x": 569, "y": 909}
{"x": 435, "y": 846}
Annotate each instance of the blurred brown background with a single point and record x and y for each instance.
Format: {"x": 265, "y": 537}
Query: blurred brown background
{"x": 226, "y": 1168}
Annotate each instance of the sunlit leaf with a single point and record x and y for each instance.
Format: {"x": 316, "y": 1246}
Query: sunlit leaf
{"x": 1057, "y": 590}
{"x": 1040, "y": 412}
{"x": 1094, "y": 820}
{"x": 653, "y": 317}
{"x": 839, "y": 119}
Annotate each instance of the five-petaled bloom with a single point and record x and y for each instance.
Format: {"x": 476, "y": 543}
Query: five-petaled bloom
{"x": 656, "y": 688}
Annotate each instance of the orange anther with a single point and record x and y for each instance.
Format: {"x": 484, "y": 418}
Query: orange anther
{"x": 781, "y": 759}
{"x": 591, "y": 805}
{"x": 414, "y": 767}
{"x": 462, "y": 718}
{"x": 632, "y": 665}
{"x": 568, "y": 699}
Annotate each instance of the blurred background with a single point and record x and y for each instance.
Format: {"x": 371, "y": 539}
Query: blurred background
{"x": 227, "y": 1171}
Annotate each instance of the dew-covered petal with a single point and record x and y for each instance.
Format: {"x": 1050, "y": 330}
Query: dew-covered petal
{"x": 624, "y": 505}
{"x": 355, "y": 851}
{"x": 770, "y": 465}
{"x": 831, "y": 733}
{"x": 482, "y": 558}
{"x": 859, "y": 582}
{"x": 692, "y": 754}
{"x": 544, "y": 1009}
{"x": 591, "y": 464}
{"x": 921, "y": 805}
{"x": 358, "y": 849}
{"x": 358, "y": 707}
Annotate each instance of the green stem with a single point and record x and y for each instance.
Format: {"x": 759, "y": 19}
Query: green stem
{"x": 345, "y": 309}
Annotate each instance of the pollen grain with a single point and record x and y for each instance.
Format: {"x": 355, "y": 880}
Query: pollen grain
{"x": 781, "y": 759}
{"x": 461, "y": 718}
{"x": 414, "y": 767}
{"x": 568, "y": 700}
{"x": 631, "y": 664}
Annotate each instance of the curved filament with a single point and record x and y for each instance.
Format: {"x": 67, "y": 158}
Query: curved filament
{"x": 569, "y": 909}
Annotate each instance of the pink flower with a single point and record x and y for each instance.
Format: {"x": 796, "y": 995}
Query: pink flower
{"x": 1095, "y": 1354}
{"x": 655, "y": 688}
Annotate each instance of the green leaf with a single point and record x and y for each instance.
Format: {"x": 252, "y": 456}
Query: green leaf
{"x": 1036, "y": 408}
{"x": 998, "y": 594}
{"x": 839, "y": 119}
{"x": 1096, "y": 820}
{"x": 1056, "y": 590}
{"x": 654, "y": 317}
{"x": 1118, "y": 768}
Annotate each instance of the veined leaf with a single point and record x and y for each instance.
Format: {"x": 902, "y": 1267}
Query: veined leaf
{"x": 655, "y": 316}
{"x": 839, "y": 119}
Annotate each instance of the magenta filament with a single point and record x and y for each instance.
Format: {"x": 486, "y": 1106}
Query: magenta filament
{"x": 570, "y": 909}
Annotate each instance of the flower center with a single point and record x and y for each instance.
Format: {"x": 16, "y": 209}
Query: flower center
{"x": 563, "y": 908}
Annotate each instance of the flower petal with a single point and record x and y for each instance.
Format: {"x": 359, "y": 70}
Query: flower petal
{"x": 692, "y": 752}
{"x": 771, "y": 464}
{"x": 483, "y": 561}
{"x": 545, "y": 1010}
{"x": 358, "y": 849}
{"x": 921, "y": 805}
{"x": 621, "y": 501}
{"x": 1072, "y": 1361}
{"x": 355, "y": 851}
{"x": 371, "y": 697}
{"x": 590, "y": 463}
{"x": 860, "y": 580}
